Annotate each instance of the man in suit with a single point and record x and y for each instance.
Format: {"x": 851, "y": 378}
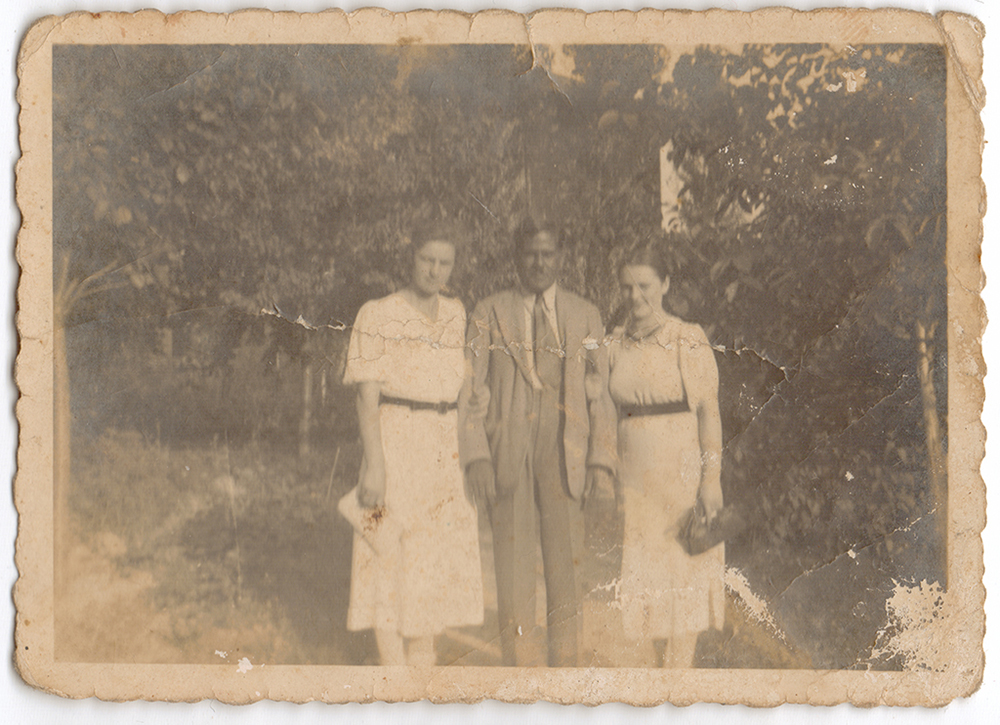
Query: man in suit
{"x": 540, "y": 436}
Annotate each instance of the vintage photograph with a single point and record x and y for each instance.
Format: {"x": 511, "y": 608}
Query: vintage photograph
{"x": 516, "y": 353}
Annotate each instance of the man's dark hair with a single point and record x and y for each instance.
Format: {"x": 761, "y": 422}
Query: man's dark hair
{"x": 528, "y": 230}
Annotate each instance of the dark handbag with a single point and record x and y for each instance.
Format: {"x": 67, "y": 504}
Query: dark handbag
{"x": 710, "y": 648}
{"x": 697, "y": 534}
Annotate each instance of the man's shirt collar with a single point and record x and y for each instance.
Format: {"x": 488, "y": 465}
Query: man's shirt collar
{"x": 548, "y": 298}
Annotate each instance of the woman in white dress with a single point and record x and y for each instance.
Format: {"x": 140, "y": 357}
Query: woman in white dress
{"x": 407, "y": 359}
{"x": 665, "y": 383}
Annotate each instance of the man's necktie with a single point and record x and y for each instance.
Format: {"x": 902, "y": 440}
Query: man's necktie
{"x": 540, "y": 325}
{"x": 548, "y": 363}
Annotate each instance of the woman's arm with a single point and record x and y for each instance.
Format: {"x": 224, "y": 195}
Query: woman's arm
{"x": 371, "y": 488}
{"x": 474, "y": 402}
{"x": 602, "y": 447}
{"x": 480, "y": 484}
{"x": 701, "y": 381}
{"x": 710, "y": 442}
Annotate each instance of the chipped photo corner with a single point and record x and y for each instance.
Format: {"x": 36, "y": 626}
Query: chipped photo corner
{"x": 582, "y": 358}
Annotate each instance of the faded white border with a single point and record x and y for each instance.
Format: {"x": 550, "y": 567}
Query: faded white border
{"x": 27, "y": 705}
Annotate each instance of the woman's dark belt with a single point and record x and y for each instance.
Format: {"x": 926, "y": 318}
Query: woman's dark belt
{"x": 629, "y": 411}
{"x": 442, "y": 407}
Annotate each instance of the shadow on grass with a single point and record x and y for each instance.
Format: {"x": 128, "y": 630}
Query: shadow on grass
{"x": 288, "y": 547}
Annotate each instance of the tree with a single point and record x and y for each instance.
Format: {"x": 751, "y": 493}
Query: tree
{"x": 286, "y": 179}
{"x": 815, "y": 197}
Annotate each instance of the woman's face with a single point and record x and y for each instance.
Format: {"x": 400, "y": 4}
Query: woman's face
{"x": 643, "y": 290}
{"x": 432, "y": 266}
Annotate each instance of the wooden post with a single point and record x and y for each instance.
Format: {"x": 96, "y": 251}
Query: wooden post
{"x": 936, "y": 463}
{"x": 305, "y": 424}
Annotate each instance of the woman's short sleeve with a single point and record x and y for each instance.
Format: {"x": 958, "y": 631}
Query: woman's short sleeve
{"x": 366, "y": 353}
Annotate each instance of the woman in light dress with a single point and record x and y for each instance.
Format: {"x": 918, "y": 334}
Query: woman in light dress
{"x": 665, "y": 383}
{"x": 407, "y": 359}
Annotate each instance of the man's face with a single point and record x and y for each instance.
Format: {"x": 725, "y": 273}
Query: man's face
{"x": 538, "y": 264}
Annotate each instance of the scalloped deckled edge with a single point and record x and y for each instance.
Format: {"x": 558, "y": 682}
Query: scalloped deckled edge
{"x": 963, "y": 37}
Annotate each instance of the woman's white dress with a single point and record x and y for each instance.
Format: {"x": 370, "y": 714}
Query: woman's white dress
{"x": 433, "y": 580}
{"x": 664, "y": 592}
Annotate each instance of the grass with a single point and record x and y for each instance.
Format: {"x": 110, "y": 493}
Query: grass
{"x": 211, "y": 554}
{"x": 229, "y": 550}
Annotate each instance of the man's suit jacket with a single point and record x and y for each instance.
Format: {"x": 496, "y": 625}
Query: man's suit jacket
{"x": 496, "y": 423}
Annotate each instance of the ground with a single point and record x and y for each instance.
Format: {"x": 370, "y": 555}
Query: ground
{"x": 213, "y": 554}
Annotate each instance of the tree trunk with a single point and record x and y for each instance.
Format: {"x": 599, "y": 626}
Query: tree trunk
{"x": 305, "y": 424}
{"x": 936, "y": 464}
{"x": 61, "y": 463}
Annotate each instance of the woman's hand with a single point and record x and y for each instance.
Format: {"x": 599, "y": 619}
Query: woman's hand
{"x": 371, "y": 488}
{"x": 598, "y": 478}
{"x": 619, "y": 497}
{"x": 371, "y": 485}
{"x": 711, "y": 498}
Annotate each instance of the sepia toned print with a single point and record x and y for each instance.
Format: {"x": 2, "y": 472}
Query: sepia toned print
{"x": 492, "y": 360}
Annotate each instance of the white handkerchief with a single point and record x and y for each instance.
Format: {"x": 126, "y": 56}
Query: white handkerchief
{"x": 375, "y": 525}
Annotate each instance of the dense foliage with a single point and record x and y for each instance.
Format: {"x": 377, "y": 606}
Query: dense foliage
{"x": 213, "y": 183}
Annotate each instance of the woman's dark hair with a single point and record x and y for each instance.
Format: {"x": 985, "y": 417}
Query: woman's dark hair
{"x": 652, "y": 255}
{"x": 450, "y": 231}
